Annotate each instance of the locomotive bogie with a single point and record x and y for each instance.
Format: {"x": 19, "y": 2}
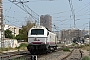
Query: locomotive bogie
{"x": 37, "y": 49}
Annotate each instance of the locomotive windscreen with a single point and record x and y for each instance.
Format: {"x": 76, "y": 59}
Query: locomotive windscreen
{"x": 37, "y": 32}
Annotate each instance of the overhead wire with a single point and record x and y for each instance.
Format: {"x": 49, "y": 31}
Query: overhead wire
{"x": 81, "y": 10}
{"x": 6, "y": 15}
{"x": 84, "y": 13}
{"x": 9, "y": 21}
{"x": 32, "y": 12}
{"x": 76, "y": 16}
{"x": 24, "y": 9}
{"x": 84, "y": 6}
{"x": 10, "y": 18}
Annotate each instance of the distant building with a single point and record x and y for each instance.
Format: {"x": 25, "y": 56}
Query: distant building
{"x": 15, "y": 30}
{"x": 58, "y": 34}
{"x": 6, "y": 26}
{"x": 46, "y": 20}
{"x": 70, "y": 34}
{"x": 85, "y": 32}
{"x": 10, "y": 43}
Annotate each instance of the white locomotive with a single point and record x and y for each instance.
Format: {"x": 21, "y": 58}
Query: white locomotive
{"x": 41, "y": 40}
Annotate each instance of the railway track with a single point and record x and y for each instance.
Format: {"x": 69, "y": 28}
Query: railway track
{"x": 58, "y": 55}
{"x": 25, "y": 55}
{"x": 13, "y": 55}
{"x": 76, "y": 54}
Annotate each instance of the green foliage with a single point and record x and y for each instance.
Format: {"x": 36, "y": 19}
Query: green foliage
{"x": 66, "y": 49}
{"x": 73, "y": 44}
{"x": 23, "y": 35}
{"x": 80, "y": 46}
{"x": 86, "y": 58}
{"x": 22, "y": 46}
{"x": 5, "y": 49}
{"x": 86, "y": 44}
{"x": 8, "y": 34}
{"x": 18, "y": 58}
{"x": 19, "y": 36}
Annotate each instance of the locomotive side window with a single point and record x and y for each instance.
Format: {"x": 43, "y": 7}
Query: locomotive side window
{"x": 37, "y": 32}
{"x": 47, "y": 33}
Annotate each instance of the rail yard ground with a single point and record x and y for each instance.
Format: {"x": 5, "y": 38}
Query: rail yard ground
{"x": 59, "y": 54}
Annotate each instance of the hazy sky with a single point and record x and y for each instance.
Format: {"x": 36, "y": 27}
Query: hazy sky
{"x": 60, "y": 10}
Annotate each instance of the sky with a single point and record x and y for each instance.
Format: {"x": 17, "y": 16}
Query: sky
{"x": 64, "y": 14}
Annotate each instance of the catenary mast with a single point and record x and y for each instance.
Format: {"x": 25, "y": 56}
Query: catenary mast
{"x": 1, "y": 26}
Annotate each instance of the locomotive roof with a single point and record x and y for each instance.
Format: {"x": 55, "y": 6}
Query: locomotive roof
{"x": 38, "y": 27}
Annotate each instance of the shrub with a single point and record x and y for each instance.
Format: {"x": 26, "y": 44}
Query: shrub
{"x": 4, "y": 49}
{"x": 22, "y": 46}
{"x": 66, "y": 49}
{"x": 86, "y": 58}
{"x": 73, "y": 44}
{"x": 86, "y": 44}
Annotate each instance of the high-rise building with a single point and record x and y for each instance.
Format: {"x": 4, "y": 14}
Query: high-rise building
{"x": 46, "y": 21}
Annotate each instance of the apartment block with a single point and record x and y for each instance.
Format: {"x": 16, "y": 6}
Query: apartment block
{"x": 14, "y": 29}
{"x": 70, "y": 34}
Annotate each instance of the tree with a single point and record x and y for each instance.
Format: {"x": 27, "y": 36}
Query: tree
{"x": 19, "y": 37}
{"x": 8, "y": 34}
{"x": 23, "y": 35}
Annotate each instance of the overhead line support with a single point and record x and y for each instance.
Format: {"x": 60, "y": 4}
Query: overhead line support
{"x": 1, "y": 25}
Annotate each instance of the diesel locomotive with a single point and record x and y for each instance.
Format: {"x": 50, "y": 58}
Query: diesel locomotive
{"x": 41, "y": 40}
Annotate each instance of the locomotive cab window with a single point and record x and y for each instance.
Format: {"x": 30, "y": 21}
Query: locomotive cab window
{"x": 37, "y": 32}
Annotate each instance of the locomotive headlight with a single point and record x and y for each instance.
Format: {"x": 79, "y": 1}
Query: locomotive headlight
{"x": 38, "y": 40}
{"x": 35, "y": 39}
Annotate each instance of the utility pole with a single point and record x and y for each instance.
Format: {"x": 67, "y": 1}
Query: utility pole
{"x": 73, "y": 14}
{"x": 1, "y": 25}
{"x": 89, "y": 38}
{"x": 72, "y": 10}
